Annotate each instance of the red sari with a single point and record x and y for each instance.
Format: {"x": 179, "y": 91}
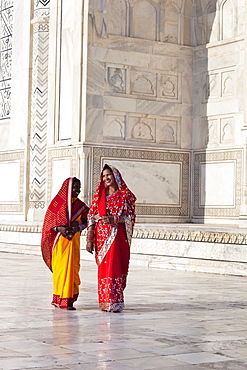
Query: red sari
{"x": 62, "y": 253}
{"x": 112, "y": 242}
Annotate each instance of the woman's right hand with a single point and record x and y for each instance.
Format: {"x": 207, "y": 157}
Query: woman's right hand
{"x": 90, "y": 247}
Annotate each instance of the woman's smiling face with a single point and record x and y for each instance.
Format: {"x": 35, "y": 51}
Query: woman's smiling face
{"x": 108, "y": 178}
{"x": 76, "y": 189}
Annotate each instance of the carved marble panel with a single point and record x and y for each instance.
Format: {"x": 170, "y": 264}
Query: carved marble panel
{"x": 210, "y": 131}
{"x": 114, "y": 126}
{"x": 141, "y": 128}
{"x": 167, "y": 131}
{"x": 169, "y": 86}
{"x": 160, "y": 181}
{"x": 12, "y": 189}
{"x": 143, "y": 83}
{"x": 171, "y": 24}
{"x": 116, "y": 78}
{"x": 6, "y": 34}
{"x": 227, "y": 130}
{"x": 170, "y": 173}
{"x": 227, "y": 83}
{"x": 211, "y": 169}
{"x": 212, "y": 86}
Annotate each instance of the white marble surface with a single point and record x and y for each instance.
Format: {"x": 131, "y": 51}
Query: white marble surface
{"x": 165, "y": 177}
{"x": 173, "y": 320}
{"x": 217, "y": 184}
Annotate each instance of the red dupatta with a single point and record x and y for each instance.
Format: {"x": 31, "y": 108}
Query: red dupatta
{"x": 120, "y": 203}
{"x": 61, "y": 212}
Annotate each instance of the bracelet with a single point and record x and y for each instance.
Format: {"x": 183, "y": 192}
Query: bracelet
{"x": 118, "y": 219}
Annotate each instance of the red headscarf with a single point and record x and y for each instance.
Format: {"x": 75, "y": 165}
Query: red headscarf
{"x": 61, "y": 212}
{"x": 120, "y": 203}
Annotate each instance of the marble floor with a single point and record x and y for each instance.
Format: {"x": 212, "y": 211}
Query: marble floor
{"x": 173, "y": 320}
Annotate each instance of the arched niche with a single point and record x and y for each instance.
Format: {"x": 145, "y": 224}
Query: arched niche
{"x": 116, "y": 17}
{"x": 211, "y": 24}
{"x": 144, "y": 20}
{"x": 170, "y": 27}
{"x": 188, "y": 9}
{"x": 227, "y": 20}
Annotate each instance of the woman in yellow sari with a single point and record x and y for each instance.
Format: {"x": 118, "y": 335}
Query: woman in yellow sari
{"x": 65, "y": 218}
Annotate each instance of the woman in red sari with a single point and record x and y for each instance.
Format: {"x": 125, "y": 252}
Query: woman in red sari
{"x": 65, "y": 218}
{"x": 110, "y": 226}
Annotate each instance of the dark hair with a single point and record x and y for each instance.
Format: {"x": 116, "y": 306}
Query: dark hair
{"x": 106, "y": 167}
{"x": 75, "y": 179}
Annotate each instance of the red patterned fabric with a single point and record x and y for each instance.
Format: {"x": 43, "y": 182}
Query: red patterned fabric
{"x": 65, "y": 303}
{"x": 112, "y": 244}
{"x": 61, "y": 212}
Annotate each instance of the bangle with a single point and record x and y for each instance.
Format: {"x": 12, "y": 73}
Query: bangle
{"x": 118, "y": 219}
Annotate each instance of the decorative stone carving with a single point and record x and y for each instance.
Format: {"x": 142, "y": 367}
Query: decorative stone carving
{"x": 169, "y": 87}
{"x": 227, "y": 130}
{"x": 142, "y": 128}
{"x": 168, "y": 131}
{"x": 171, "y": 24}
{"x": 116, "y": 79}
{"x": 142, "y": 83}
{"x": 179, "y": 158}
{"x": 227, "y": 79}
{"x": 114, "y": 126}
{"x": 39, "y": 102}
{"x": 6, "y": 14}
{"x": 212, "y": 85}
{"x": 211, "y": 131}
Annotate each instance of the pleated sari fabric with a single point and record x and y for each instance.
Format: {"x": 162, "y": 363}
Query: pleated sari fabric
{"x": 62, "y": 253}
{"x": 112, "y": 242}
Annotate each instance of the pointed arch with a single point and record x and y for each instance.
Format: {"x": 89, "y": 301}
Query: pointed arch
{"x": 144, "y": 20}
{"x": 227, "y": 19}
{"x": 211, "y": 29}
{"x": 170, "y": 29}
{"x": 116, "y": 17}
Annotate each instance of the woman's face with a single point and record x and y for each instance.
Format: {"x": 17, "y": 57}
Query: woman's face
{"x": 108, "y": 178}
{"x": 76, "y": 189}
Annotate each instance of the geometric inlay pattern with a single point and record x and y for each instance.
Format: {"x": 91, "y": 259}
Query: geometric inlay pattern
{"x": 6, "y": 16}
{"x": 238, "y": 238}
{"x": 235, "y": 156}
{"x": 182, "y": 210}
{"x": 39, "y": 100}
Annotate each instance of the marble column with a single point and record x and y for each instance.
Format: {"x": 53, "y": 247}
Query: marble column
{"x": 243, "y": 209}
{"x": 38, "y": 102}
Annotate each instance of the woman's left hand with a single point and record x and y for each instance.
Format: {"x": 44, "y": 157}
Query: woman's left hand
{"x": 107, "y": 220}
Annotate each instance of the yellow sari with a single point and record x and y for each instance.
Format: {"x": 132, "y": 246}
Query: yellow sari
{"x": 66, "y": 267}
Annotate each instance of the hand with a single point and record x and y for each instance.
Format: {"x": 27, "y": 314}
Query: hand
{"x": 89, "y": 247}
{"x": 67, "y": 231}
{"x": 107, "y": 220}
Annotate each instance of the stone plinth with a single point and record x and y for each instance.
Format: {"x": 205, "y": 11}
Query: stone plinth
{"x": 187, "y": 247}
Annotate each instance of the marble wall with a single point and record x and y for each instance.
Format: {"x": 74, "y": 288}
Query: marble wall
{"x": 91, "y": 83}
